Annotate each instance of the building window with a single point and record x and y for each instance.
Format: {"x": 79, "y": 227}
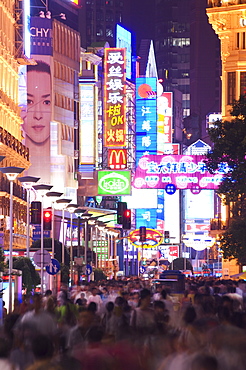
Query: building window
{"x": 109, "y": 32}
{"x": 242, "y": 83}
{"x": 237, "y": 40}
{"x": 231, "y": 87}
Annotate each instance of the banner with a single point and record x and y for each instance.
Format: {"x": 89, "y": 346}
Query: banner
{"x": 179, "y": 171}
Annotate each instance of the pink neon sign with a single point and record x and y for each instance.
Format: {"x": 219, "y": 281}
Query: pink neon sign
{"x": 183, "y": 171}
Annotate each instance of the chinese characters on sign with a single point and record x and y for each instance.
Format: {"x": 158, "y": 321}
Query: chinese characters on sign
{"x": 164, "y": 121}
{"x": 146, "y": 113}
{"x": 114, "y": 98}
{"x": 183, "y": 171}
{"x": 153, "y": 238}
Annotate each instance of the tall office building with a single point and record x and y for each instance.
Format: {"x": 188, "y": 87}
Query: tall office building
{"x": 187, "y": 56}
{"x": 98, "y": 19}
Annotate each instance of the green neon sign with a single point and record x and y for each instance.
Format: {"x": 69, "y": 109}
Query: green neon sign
{"x": 114, "y": 182}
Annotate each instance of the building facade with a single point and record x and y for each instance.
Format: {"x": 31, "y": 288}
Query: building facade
{"x": 11, "y": 147}
{"x": 228, "y": 19}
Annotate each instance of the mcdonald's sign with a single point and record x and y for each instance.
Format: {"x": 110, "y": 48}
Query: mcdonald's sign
{"x": 117, "y": 159}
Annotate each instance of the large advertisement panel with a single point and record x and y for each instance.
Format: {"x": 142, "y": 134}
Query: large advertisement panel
{"x": 182, "y": 171}
{"x": 26, "y": 27}
{"x": 164, "y": 120}
{"x": 87, "y": 124}
{"x": 146, "y": 129}
{"x": 124, "y": 40}
{"x": 36, "y": 99}
{"x": 114, "y": 97}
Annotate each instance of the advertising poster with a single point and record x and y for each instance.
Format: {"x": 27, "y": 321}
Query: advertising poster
{"x": 35, "y": 99}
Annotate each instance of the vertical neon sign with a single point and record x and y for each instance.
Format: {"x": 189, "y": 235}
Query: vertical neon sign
{"x": 26, "y": 24}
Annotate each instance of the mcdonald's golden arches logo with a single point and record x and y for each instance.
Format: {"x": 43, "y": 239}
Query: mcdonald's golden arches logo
{"x": 117, "y": 159}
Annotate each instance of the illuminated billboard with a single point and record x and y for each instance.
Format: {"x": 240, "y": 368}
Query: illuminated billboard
{"x": 114, "y": 182}
{"x": 87, "y": 124}
{"x": 114, "y": 97}
{"x": 146, "y": 114}
{"x": 124, "y": 40}
{"x": 164, "y": 120}
{"x": 181, "y": 171}
{"x": 36, "y": 99}
{"x": 146, "y": 217}
{"x": 26, "y": 28}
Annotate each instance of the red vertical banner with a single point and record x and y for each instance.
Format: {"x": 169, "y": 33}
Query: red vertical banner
{"x": 114, "y": 97}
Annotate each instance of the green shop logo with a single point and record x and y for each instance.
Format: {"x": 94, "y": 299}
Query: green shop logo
{"x": 116, "y": 182}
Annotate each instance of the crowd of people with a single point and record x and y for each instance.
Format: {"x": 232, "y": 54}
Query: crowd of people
{"x": 128, "y": 324}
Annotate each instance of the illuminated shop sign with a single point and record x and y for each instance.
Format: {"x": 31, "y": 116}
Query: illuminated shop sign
{"x": 114, "y": 98}
{"x": 26, "y": 28}
{"x": 124, "y": 40}
{"x": 87, "y": 122}
{"x": 153, "y": 238}
{"x": 146, "y": 114}
{"x": 146, "y": 217}
{"x": 183, "y": 171}
{"x": 41, "y": 36}
{"x": 114, "y": 182}
{"x": 164, "y": 120}
{"x": 117, "y": 159}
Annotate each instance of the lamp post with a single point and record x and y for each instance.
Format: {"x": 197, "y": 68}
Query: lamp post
{"x": 79, "y": 212}
{"x": 85, "y": 218}
{"x": 71, "y": 208}
{"x": 53, "y": 194}
{"x": 63, "y": 203}
{"x": 11, "y": 173}
{"x": 42, "y": 189}
{"x": 27, "y": 183}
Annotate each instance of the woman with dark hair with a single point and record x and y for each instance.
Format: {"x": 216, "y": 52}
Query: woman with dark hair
{"x": 36, "y": 112}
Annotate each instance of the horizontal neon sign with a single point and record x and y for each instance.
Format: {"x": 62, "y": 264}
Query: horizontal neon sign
{"x": 183, "y": 171}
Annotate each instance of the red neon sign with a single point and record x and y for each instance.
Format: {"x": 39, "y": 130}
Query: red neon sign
{"x": 117, "y": 159}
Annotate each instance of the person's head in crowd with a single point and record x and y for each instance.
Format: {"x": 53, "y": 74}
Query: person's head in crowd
{"x": 92, "y": 306}
{"x": 145, "y": 298}
{"x": 203, "y": 361}
{"x": 163, "y": 294}
{"x": 109, "y": 306}
{"x": 189, "y": 315}
{"x": 42, "y": 347}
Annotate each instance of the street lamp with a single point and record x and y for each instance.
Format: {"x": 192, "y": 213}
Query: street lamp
{"x": 27, "y": 183}
{"x": 42, "y": 189}
{"x": 71, "y": 208}
{"x": 53, "y": 194}
{"x": 63, "y": 203}
{"x": 11, "y": 173}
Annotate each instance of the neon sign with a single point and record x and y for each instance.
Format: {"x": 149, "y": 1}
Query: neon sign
{"x": 114, "y": 182}
{"x": 156, "y": 171}
{"x": 117, "y": 159}
{"x": 153, "y": 238}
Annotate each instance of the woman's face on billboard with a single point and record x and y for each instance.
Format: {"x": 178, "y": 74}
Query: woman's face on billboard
{"x": 38, "y": 116}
